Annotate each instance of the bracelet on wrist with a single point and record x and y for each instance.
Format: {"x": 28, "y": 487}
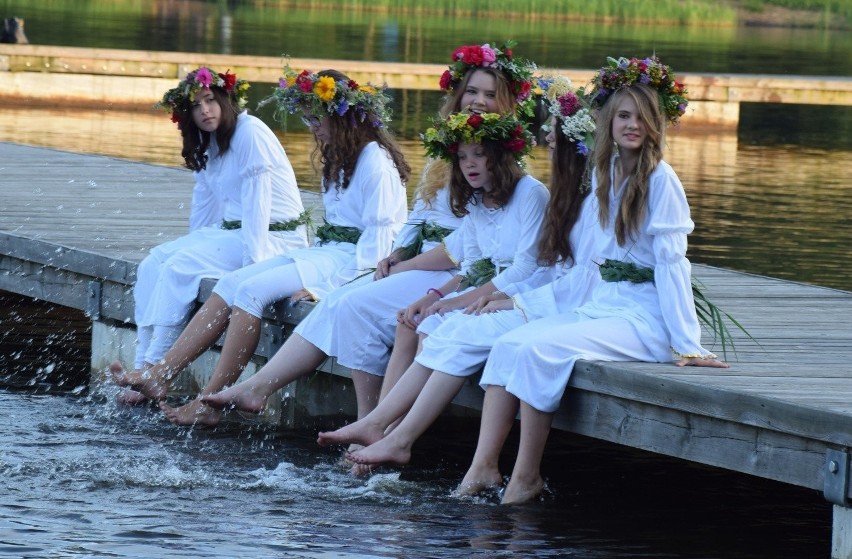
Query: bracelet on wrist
{"x": 433, "y": 290}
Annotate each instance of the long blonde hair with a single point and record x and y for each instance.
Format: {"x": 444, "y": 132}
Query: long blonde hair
{"x": 437, "y": 172}
{"x": 633, "y": 203}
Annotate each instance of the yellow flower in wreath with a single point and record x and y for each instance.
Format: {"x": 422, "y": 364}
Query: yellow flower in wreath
{"x": 325, "y": 88}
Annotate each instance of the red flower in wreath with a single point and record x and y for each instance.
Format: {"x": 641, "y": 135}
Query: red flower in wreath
{"x": 446, "y": 80}
{"x": 471, "y": 54}
{"x": 230, "y": 80}
{"x": 474, "y": 120}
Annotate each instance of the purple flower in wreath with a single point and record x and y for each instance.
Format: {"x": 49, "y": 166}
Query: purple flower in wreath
{"x": 342, "y": 107}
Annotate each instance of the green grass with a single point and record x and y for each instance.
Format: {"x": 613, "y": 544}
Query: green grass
{"x": 657, "y": 11}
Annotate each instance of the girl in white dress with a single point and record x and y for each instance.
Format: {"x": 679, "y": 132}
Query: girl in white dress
{"x": 363, "y": 178}
{"x": 357, "y": 322}
{"x": 246, "y": 206}
{"x": 643, "y": 224}
{"x": 458, "y": 343}
{"x": 505, "y": 212}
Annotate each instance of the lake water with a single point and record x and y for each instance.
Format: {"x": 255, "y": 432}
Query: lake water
{"x": 83, "y": 478}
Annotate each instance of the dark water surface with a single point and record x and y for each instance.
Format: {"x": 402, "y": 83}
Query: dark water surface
{"x": 82, "y": 478}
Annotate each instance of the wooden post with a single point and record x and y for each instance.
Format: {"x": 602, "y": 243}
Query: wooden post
{"x": 841, "y": 533}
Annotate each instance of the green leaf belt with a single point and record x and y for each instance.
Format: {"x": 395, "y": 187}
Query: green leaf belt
{"x": 303, "y": 219}
{"x": 327, "y": 233}
{"x": 710, "y": 315}
{"x": 616, "y": 270}
{"x": 425, "y": 232}
{"x": 480, "y": 272}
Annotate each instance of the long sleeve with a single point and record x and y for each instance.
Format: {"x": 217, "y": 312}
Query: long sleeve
{"x": 384, "y": 210}
{"x": 531, "y": 206}
{"x": 669, "y": 222}
{"x": 205, "y": 209}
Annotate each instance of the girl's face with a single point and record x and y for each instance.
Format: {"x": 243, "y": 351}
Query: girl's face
{"x": 206, "y": 112}
{"x": 628, "y": 130}
{"x": 320, "y": 128}
{"x": 551, "y": 138}
{"x": 474, "y": 165}
{"x": 480, "y": 95}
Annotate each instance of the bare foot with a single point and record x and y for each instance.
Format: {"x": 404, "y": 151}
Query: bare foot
{"x": 382, "y": 452}
{"x": 519, "y": 491}
{"x": 237, "y": 397}
{"x": 361, "y": 432}
{"x": 193, "y": 413}
{"x": 143, "y": 381}
{"x": 130, "y": 397}
{"x": 477, "y": 480}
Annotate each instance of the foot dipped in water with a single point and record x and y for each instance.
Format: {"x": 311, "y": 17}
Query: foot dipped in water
{"x": 192, "y": 414}
{"x": 361, "y": 432}
{"x": 141, "y": 382}
{"x": 357, "y": 470}
{"x": 239, "y": 397}
{"x": 477, "y": 480}
{"x": 520, "y": 491}
{"x": 382, "y": 452}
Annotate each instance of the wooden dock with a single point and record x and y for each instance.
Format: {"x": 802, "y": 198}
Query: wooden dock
{"x": 107, "y": 77}
{"x": 73, "y": 227}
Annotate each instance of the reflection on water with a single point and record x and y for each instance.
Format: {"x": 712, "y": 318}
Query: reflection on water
{"x": 776, "y": 209}
{"x": 86, "y": 479}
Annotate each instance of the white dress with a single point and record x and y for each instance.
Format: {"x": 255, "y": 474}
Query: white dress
{"x": 357, "y": 323}
{"x": 508, "y": 236}
{"x": 252, "y": 182}
{"x": 374, "y": 202}
{"x": 622, "y": 321}
{"x": 460, "y": 345}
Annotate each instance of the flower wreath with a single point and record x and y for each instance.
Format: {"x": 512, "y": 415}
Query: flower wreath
{"x": 442, "y": 139}
{"x": 650, "y": 71}
{"x": 468, "y": 57}
{"x": 323, "y": 95}
{"x": 179, "y": 100}
{"x": 570, "y": 111}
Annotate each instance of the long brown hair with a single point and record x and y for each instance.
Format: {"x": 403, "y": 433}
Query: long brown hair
{"x": 505, "y": 174}
{"x": 568, "y": 177}
{"x": 196, "y": 141}
{"x": 632, "y": 208}
{"x": 438, "y": 173}
{"x": 348, "y": 138}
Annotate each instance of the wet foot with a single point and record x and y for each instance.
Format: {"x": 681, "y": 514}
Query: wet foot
{"x": 519, "y": 492}
{"x": 193, "y": 413}
{"x": 142, "y": 381}
{"x": 360, "y": 432}
{"x": 477, "y": 480}
{"x": 237, "y": 397}
{"x": 130, "y": 398}
{"x": 383, "y": 452}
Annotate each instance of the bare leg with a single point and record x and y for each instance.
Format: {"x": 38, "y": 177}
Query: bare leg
{"x": 296, "y": 358}
{"x": 439, "y": 391}
{"x": 498, "y": 415}
{"x": 198, "y": 336}
{"x": 405, "y": 346}
{"x": 372, "y": 427}
{"x": 526, "y": 482}
{"x": 367, "y": 389}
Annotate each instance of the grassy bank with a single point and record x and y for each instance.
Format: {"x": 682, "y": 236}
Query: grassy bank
{"x": 786, "y": 13}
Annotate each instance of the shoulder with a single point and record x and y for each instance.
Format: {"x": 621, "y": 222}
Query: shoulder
{"x": 664, "y": 174}
{"x": 251, "y": 128}
{"x": 530, "y": 187}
